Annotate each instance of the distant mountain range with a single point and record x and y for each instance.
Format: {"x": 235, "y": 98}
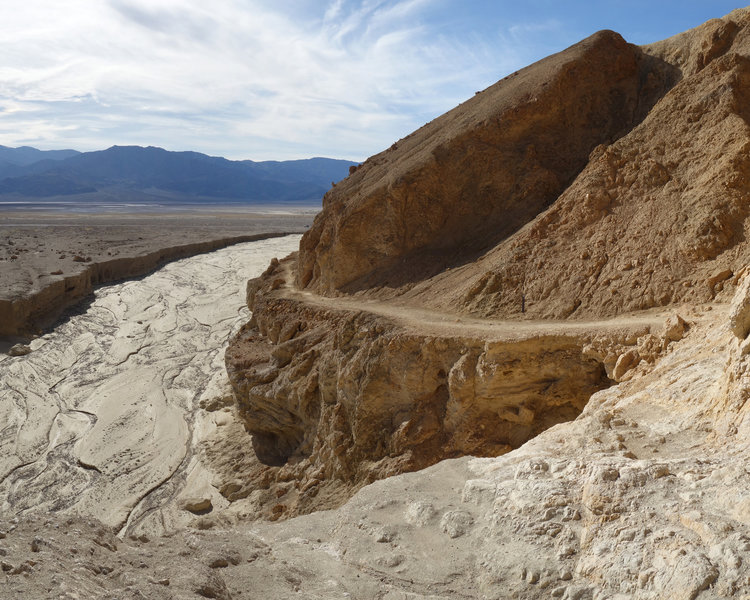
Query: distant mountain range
{"x": 127, "y": 173}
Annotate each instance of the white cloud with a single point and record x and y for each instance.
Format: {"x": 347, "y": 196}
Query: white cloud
{"x": 243, "y": 78}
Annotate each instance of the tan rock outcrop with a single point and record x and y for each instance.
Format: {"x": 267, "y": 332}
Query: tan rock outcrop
{"x": 656, "y": 218}
{"x": 336, "y": 395}
{"x": 477, "y": 174}
{"x": 603, "y": 180}
{"x": 653, "y": 213}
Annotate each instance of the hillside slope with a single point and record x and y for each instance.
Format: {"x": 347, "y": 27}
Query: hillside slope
{"x": 606, "y": 179}
{"x": 650, "y": 210}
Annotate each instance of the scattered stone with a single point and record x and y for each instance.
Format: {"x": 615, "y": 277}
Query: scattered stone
{"x": 675, "y": 329}
{"x": 19, "y": 350}
{"x": 390, "y": 560}
{"x": 218, "y": 563}
{"x": 384, "y": 536}
{"x": 197, "y": 505}
{"x": 626, "y": 362}
{"x": 739, "y": 310}
{"x": 419, "y": 513}
{"x": 719, "y": 278}
{"x": 456, "y": 523}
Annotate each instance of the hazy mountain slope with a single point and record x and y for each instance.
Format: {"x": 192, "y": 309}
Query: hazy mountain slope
{"x": 134, "y": 169}
{"x": 26, "y": 155}
{"x": 15, "y": 162}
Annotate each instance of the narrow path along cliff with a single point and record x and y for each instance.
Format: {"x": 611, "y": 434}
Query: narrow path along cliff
{"x": 436, "y": 322}
{"x": 100, "y": 418}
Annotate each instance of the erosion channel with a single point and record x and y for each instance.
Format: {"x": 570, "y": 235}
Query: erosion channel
{"x": 102, "y": 418}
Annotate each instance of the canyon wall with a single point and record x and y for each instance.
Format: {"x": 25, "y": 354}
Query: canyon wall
{"x": 338, "y": 394}
{"x": 586, "y": 198}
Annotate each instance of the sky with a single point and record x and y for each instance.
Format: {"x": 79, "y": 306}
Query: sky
{"x": 280, "y": 79}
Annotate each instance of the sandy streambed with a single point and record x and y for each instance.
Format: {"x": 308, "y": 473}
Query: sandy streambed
{"x": 100, "y": 419}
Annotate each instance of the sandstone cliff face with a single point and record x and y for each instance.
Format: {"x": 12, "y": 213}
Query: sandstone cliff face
{"x": 480, "y": 172}
{"x": 336, "y": 396}
{"x": 605, "y": 180}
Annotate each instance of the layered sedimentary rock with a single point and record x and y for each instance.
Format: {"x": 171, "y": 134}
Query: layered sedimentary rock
{"x": 355, "y": 396}
{"x": 603, "y": 180}
{"x": 659, "y": 217}
{"x": 338, "y": 393}
{"x": 27, "y": 312}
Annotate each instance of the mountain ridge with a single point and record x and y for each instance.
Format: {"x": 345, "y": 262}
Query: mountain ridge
{"x": 135, "y": 171}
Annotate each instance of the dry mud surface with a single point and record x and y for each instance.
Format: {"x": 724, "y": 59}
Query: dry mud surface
{"x": 99, "y": 419}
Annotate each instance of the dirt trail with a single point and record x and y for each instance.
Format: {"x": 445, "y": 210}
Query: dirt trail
{"x": 433, "y": 322}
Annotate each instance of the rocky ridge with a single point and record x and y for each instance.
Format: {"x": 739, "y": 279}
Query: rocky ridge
{"x": 337, "y": 393}
{"x": 653, "y": 212}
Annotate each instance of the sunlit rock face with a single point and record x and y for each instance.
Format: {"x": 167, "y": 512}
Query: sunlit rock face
{"x": 476, "y": 175}
{"x": 602, "y": 185}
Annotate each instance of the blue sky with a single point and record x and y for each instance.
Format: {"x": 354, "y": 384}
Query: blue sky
{"x": 280, "y": 79}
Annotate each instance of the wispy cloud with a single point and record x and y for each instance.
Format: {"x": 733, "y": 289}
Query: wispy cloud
{"x": 241, "y": 78}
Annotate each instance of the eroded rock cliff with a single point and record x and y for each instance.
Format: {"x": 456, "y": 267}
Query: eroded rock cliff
{"x": 338, "y": 393}
{"x": 606, "y": 182}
